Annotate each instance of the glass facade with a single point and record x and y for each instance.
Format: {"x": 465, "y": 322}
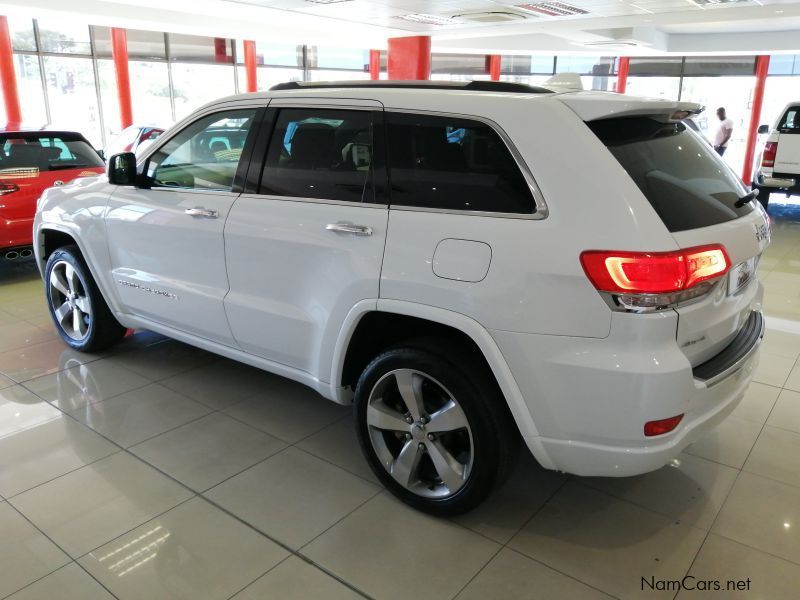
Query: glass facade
{"x": 66, "y": 76}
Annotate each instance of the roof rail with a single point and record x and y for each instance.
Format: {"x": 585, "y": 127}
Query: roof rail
{"x": 472, "y": 86}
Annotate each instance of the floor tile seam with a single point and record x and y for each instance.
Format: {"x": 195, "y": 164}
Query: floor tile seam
{"x": 88, "y": 464}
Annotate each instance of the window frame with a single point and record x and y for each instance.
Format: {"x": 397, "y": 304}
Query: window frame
{"x": 252, "y": 179}
{"x": 541, "y": 209}
{"x": 237, "y": 187}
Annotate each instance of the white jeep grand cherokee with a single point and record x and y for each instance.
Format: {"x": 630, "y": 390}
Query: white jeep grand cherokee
{"x": 464, "y": 263}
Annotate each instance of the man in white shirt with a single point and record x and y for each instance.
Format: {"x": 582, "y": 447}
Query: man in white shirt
{"x": 724, "y": 132}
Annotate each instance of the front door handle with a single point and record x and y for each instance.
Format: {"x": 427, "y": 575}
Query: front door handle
{"x": 348, "y": 228}
{"x": 199, "y": 211}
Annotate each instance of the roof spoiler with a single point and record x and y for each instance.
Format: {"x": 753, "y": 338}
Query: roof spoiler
{"x": 605, "y": 105}
{"x": 564, "y": 82}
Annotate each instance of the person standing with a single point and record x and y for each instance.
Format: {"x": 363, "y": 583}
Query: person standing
{"x": 724, "y": 132}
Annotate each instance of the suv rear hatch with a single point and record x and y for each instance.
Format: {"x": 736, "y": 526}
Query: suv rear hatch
{"x": 787, "y": 158}
{"x": 700, "y": 200}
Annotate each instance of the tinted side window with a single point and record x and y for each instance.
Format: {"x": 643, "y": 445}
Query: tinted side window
{"x": 685, "y": 181}
{"x": 790, "y": 123}
{"x": 205, "y": 155}
{"x": 455, "y": 164}
{"x": 320, "y": 153}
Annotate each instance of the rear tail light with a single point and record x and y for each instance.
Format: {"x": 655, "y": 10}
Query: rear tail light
{"x": 8, "y": 188}
{"x": 650, "y": 280}
{"x": 768, "y": 158}
{"x": 661, "y": 426}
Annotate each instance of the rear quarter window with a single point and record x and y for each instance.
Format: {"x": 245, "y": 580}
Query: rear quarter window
{"x": 685, "y": 181}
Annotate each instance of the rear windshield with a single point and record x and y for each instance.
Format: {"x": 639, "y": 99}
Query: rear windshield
{"x": 790, "y": 123}
{"x": 681, "y": 175}
{"x": 37, "y": 152}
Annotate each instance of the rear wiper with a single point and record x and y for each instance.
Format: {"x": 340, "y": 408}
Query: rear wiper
{"x": 62, "y": 167}
{"x": 745, "y": 199}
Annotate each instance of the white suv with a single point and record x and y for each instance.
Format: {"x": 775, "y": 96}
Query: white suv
{"x": 464, "y": 263}
{"x": 780, "y": 159}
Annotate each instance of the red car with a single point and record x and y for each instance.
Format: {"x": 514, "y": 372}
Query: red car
{"x": 31, "y": 161}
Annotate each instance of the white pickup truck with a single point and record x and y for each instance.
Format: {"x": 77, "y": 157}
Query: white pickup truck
{"x": 780, "y": 160}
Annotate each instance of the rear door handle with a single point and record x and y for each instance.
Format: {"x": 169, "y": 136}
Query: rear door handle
{"x": 199, "y": 211}
{"x": 348, "y": 228}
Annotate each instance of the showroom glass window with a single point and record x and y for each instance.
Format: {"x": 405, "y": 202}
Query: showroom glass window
{"x": 452, "y": 163}
{"x": 320, "y": 153}
{"x": 205, "y": 155}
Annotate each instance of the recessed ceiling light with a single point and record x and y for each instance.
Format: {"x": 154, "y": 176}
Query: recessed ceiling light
{"x": 327, "y": 1}
{"x": 553, "y": 9}
{"x": 429, "y": 19}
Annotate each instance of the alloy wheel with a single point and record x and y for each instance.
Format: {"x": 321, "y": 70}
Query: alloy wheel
{"x": 69, "y": 301}
{"x": 420, "y": 433}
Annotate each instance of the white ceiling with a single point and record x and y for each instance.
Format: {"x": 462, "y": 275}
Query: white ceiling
{"x": 590, "y": 26}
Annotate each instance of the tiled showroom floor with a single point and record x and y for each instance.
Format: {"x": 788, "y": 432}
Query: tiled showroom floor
{"x": 160, "y": 471}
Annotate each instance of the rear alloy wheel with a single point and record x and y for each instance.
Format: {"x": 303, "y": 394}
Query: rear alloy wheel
{"x": 420, "y": 433}
{"x": 79, "y": 311}
{"x": 437, "y": 433}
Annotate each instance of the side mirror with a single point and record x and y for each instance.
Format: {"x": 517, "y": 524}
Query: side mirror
{"x": 101, "y": 154}
{"x": 763, "y": 129}
{"x": 122, "y": 169}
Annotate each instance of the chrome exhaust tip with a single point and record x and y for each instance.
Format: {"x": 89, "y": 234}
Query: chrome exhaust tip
{"x": 12, "y": 255}
{"x": 27, "y": 253}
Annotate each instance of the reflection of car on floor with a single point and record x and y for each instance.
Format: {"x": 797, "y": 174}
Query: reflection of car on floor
{"x": 136, "y": 139}
{"x": 779, "y": 172}
{"x": 418, "y": 250}
{"x": 32, "y": 160}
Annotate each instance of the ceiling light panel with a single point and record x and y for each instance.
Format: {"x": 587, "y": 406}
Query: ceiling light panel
{"x": 428, "y": 19}
{"x": 553, "y": 9}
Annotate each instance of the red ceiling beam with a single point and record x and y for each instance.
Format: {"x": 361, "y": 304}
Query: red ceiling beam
{"x": 410, "y": 57}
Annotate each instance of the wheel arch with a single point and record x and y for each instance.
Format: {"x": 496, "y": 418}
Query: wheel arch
{"x": 411, "y": 320}
{"x": 50, "y": 238}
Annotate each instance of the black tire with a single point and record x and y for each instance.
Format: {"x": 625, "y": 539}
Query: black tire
{"x": 492, "y": 433}
{"x": 102, "y": 329}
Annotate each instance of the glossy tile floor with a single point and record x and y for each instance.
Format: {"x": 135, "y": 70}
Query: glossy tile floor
{"x": 160, "y": 471}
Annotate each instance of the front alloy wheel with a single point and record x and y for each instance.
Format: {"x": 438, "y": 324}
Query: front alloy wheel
{"x": 79, "y": 311}
{"x": 72, "y": 309}
{"x": 420, "y": 433}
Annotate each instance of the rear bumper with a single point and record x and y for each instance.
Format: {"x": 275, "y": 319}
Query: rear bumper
{"x": 712, "y": 405}
{"x": 590, "y": 398}
{"x": 778, "y": 180}
{"x": 16, "y": 232}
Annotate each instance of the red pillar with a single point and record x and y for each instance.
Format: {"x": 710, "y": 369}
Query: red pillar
{"x": 250, "y": 65}
{"x": 494, "y": 67}
{"x": 374, "y": 64}
{"x": 7, "y": 74}
{"x": 622, "y": 74}
{"x": 410, "y": 57}
{"x": 762, "y": 68}
{"x": 119, "y": 51}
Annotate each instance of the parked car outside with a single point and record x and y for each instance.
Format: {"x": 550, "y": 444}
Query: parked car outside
{"x": 135, "y": 138}
{"x": 779, "y": 170}
{"x": 426, "y": 252}
{"x": 32, "y": 160}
